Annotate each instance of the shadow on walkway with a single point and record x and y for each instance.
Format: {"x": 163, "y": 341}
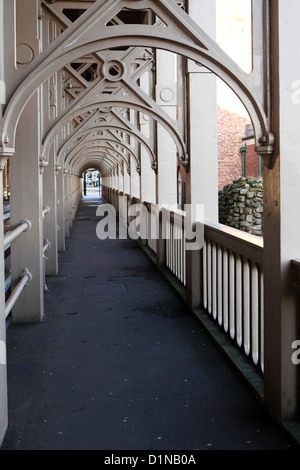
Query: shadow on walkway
{"x": 119, "y": 363}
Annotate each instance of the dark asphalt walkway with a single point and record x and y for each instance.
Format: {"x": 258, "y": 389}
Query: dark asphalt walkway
{"x": 119, "y": 363}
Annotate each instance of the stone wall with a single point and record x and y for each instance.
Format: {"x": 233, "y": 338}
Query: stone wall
{"x": 241, "y": 205}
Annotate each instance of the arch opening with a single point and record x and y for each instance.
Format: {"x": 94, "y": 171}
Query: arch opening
{"x": 91, "y": 180}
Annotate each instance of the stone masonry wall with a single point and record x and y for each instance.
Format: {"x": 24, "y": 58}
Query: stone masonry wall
{"x": 241, "y": 205}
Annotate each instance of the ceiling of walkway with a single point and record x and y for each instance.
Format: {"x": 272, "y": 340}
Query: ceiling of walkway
{"x": 107, "y": 97}
{"x": 99, "y": 63}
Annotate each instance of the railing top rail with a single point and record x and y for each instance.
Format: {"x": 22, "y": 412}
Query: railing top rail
{"x": 135, "y": 200}
{"x": 177, "y": 212}
{"x": 241, "y": 243}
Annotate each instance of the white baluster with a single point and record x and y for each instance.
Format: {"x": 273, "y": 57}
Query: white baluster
{"x": 220, "y": 285}
{"x": 214, "y": 280}
{"x": 262, "y": 321}
{"x": 225, "y": 290}
{"x": 184, "y": 261}
{"x": 246, "y": 306}
{"x": 232, "y": 294}
{"x": 254, "y": 314}
{"x": 238, "y": 291}
{"x": 209, "y": 276}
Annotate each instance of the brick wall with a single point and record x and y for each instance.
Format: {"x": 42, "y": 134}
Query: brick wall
{"x": 251, "y": 162}
{"x": 231, "y": 130}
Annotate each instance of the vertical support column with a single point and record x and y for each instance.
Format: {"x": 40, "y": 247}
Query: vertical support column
{"x": 121, "y": 178}
{"x": 66, "y": 202}
{"x": 2, "y": 57}
{"x": 78, "y": 192}
{"x": 70, "y": 199}
{"x": 281, "y": 220}
{"x": 60, "y": 210}
{"x": 166, "y": 97}
{"x": 202, "y": 177}
{"x": 50, "y": 221}
{"x": 134, "y": 180}
{"x": 127, "y": 181}
{"x": 3, "y": 373}
{"x": 27, "y": 203}
{"x": 148, "y": 178}
{"x": 74, "y": 195}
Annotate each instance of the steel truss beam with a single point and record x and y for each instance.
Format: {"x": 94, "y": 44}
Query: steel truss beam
{"x": 176, "y": 32}
{"x": 98, "y": 141}
{"x": 97, "y": 120}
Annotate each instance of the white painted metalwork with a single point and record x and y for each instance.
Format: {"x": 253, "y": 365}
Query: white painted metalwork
{"x": 24, "y": 226}
{"x": 46, "y": 247}
{"x": 91, "y": 34}
{"x": 45, "y": 211}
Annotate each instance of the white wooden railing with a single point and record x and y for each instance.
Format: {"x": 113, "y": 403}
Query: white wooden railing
{"x": 175, "y": 243}
{"x": 152, "y": 226}
{"x": 233, "y": 286}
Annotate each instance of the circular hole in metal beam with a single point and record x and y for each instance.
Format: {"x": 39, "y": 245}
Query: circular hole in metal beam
{"x": 113, "y": 70}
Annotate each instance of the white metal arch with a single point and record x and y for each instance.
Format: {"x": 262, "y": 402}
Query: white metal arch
{"x": 137, "y": 134}
{"x": 85, "y": 167}
{"x": 103, "y": 169}
{"x": 181, "y": 35}
{"x": 108, "y": 127}
{"x": 92, "y": 161}
{"x": 103, "y": 150}
{"x": 108, "y": 167}
{"x": 85, "y": 145}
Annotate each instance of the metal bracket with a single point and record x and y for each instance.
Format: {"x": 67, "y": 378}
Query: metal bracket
{"x": 26, "y": 272}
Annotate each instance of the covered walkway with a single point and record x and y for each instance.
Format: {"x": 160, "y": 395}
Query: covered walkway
{"x": 120, "y": 363}
{"x": 124, "y": 96}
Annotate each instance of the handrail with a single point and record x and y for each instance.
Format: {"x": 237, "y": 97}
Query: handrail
{"x": 24, "y": 280}
{"x": 242, "y": 243}
{"x": 24, "y": 226}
